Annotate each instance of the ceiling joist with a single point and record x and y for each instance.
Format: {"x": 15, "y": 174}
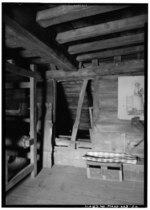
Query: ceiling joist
{"x": 102, "y": 29}
{"x": 111, "y": 53}
{"x": 107, "y": 43}
{"x": 17, "y": 36}
{"x": 65, "y": 13}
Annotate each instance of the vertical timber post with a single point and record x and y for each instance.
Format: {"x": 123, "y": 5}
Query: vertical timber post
{"x": 33, "y": 134}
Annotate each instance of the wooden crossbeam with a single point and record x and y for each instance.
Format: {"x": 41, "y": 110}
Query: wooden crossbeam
{"x": 19, "y": 71}
{"x": 111, "y": 53}
{"x": 17, "y": 85}
{"x": 107, "y": 43}
{"x": 18, "y": 36}
{"x": 64, "y": 13}
{"x": 133, "y": 66}
{"x": 79, "y": 108}
{"x": 102, "y": 29}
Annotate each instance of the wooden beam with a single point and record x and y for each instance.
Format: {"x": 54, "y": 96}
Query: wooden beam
{"x": 6, "y": 169}
{"x": 17, "y": 85}
{"x": 111, "y": 53}
{"x": 102, "y": 70}
{"x": 65, "y": 13}
{"x": 78, "y": 114}
{"x": 23, "y": 173}
{"x": 96, "y": 100}
{"x": 47, "y": 140}
{"x": 19, "y": 71}
{"x": 107, "y": 43}
{"x": 54, "y": 100}
{"x": 33, "y": 133}
{"x": 18, "y": 36}
{"x": 102, "y": 29}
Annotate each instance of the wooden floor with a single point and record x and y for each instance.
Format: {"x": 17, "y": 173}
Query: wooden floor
{"x": 65, "y": 185}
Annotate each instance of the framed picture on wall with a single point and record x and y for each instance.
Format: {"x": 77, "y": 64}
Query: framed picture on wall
{"x": 131, "y": 97}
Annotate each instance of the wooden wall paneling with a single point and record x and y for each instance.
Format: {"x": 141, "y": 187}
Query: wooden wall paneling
{"x": 110, "y": 133}
{"x": 70, "y": 156}
{"x": 102, "y": 29}
{"x": 65, "y": 13}
{"x": 107, "y": 43}
{"x": 80, "y": 103}
{"x": 33, "y": 134}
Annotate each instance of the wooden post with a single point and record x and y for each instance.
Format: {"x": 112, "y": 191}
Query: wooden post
{"x": 6, "y": 169}
{"x": 96, "y": 100}
{"x": 33, "y": 134}
{"x": 80, "y": 65}
{"x": 95, "y": 62}
{"x": 54, "y": 110}
{"x": 54, "y": 100}
{"x": 47, "y": 147}
{"x": 80, "y": 103}
{"x": 91, "y": 116}
{"x": 53, "y": 67}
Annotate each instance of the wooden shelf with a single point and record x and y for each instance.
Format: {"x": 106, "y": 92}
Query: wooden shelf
{"x": 12, "y": 116}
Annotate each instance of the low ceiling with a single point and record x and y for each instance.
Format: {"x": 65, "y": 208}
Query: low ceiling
{"x": 68, "y": 37}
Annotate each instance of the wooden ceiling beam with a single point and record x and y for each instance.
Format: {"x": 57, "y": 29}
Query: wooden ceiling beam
{"x": 110, "y": 53}
{"x": 134, "y": 66}
{"x": 65, "y": 13}
{"x": 18, "y": 36}
{"x": 107, "y": 43}
{"x": 102, "y": 29}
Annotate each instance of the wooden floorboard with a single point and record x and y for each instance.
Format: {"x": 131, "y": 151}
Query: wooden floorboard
{"x": 66, "y": 185}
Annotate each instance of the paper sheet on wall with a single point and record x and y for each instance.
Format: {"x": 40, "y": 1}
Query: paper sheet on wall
{"x": 131, "y": 97}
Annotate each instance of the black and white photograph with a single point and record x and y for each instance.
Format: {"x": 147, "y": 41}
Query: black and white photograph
{"x": 74, "y": 104}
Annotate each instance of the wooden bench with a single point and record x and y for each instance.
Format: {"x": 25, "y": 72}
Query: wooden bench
{"x": 105, "y": 171}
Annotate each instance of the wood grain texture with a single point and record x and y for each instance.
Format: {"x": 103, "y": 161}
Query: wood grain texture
{"x": 102, "y": 29}
{"x": 111, "y": 53}
{"x": 65, "y": 13}
{"x": 64, "y": 185}
{"x": 17, "y": 36}
{"x": 19, "y": 71}
{"x": 107, "y": 43}
{"x": 79, "y": 108}
{"x": 96, "y": 99}
{"x": 33, "y": 121}
{"x": 110, "y": 133}
{"x": 24, "y": 172}
{"x": 102, "y": 70}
